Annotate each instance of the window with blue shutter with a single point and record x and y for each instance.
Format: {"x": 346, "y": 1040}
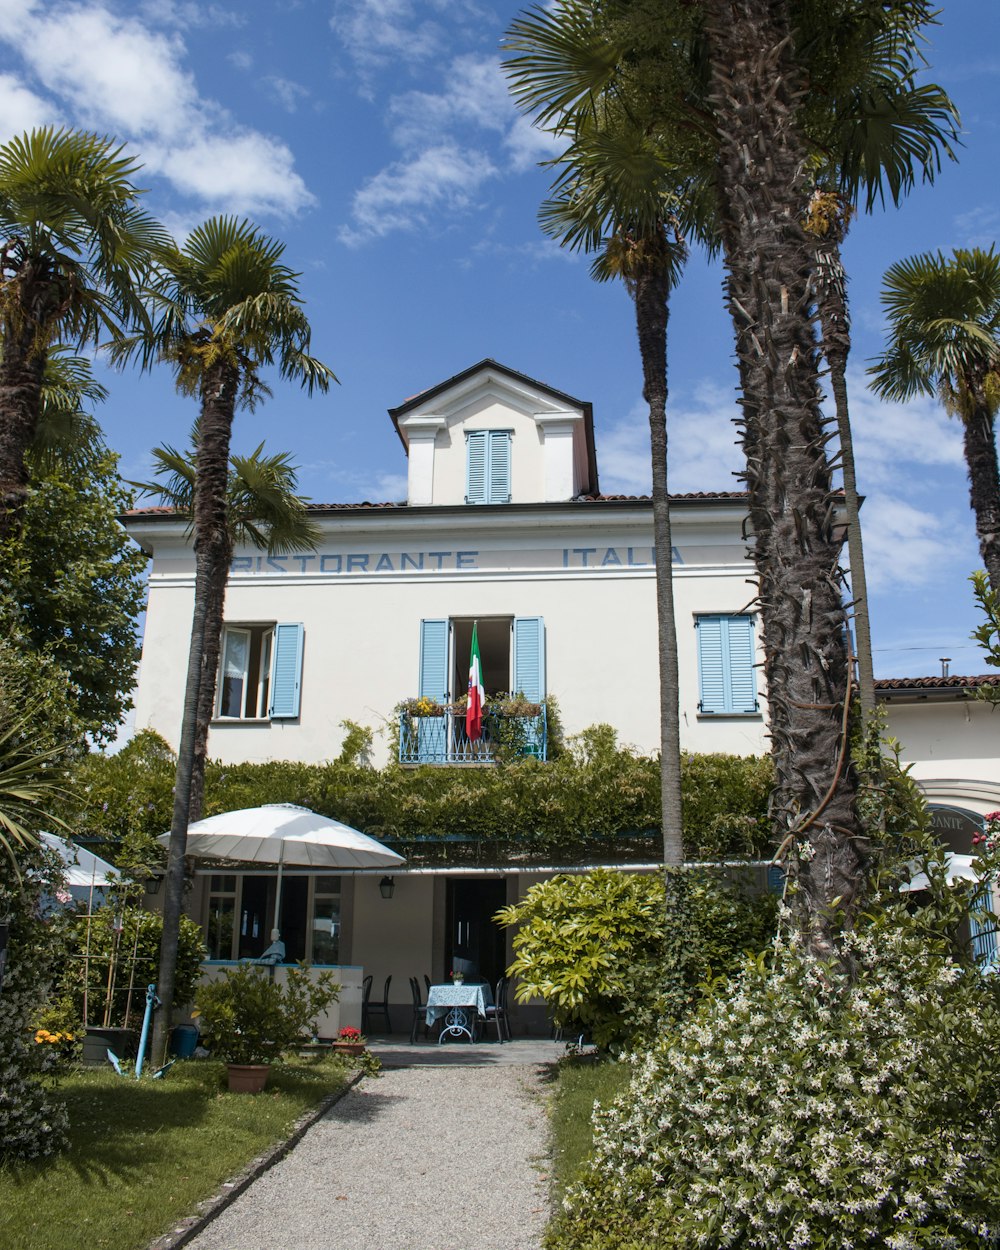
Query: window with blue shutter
{"x": 529, "y": 673}
{"x": 488, "y": 466}
{"x": 432, "y": 730}
{"x": 727, "y": 680}
{"x": 252, "y": 662}
{"x": 286, "y": 672}
{"x": 529, "y": 657}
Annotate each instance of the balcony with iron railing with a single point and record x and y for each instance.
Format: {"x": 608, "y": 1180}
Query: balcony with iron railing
{"x": 441, "y": 738}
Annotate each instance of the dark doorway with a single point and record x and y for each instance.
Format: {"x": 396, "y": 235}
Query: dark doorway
{"x": 475, "y": 942}
{"x": 257, "y": 916}
{"x": 494, "y": 651}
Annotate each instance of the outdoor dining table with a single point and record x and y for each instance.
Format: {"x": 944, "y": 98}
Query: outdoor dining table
{"x": 459, "y": 1005}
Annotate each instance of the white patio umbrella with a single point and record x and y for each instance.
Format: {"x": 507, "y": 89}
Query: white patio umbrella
{"x": 282, "y": 833}
{"x": 83, "y": 867}
{"x": 958, "y": 868}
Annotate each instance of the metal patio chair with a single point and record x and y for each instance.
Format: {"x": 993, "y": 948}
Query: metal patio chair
{"x": 370, "y": 1009}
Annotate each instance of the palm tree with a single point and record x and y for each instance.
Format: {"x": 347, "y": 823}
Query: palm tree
{"x": 66, "y": 433}
{"x": 224, "y": 307}
{"x": 74, "y": 246}
{"x": 616, "y": 196}
{"x": 944, "y": 337}
{"x": 885, "y": 128}
{"x": 729, "y": 78}
{"x": 264, "y": 511}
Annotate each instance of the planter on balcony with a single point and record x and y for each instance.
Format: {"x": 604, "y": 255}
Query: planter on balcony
{"x": 441, "y": 739}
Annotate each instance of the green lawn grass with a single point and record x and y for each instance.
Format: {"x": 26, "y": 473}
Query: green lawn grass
{"x": 143, "y": 1153}
{"x": 579, "y": 1085}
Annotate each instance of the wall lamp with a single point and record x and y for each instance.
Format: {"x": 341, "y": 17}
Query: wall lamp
{"x": 386, "y": 887}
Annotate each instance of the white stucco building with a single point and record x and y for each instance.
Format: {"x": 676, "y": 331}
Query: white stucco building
{"x": 504, "y": 526}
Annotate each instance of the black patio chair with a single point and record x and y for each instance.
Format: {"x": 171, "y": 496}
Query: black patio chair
{"x": 497, "y": 1014}
{"x": 369, "y": 1009}
{"x": 419, "y": 1011}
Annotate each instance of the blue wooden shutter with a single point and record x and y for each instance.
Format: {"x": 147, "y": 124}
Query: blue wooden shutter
{"x": 432, "y": 730}
{"x": 984, "y": 927}
{"x": 742, "y": 675}
{"x": 286, "y": 672}
{"x": 499, "y": 467}
{"x": 434, "y": 660}
{"x": 726, "y": 678}
{"x": 529, "y": 657}
{"x": 478, "y": 441}
{"x": 711, "y": 669}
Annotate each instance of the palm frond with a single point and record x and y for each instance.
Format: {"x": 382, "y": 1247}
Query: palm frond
{"x": 559, "y": 60}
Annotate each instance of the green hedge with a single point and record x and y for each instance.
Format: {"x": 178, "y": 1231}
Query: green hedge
{"x": 597, "y": 800}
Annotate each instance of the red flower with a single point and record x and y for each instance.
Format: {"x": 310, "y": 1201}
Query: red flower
{"x": 349, "y": 1034}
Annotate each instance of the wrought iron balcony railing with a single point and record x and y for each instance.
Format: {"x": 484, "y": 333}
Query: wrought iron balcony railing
{"x": 443, "y": 740}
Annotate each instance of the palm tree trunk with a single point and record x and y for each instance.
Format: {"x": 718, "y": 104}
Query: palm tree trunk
{"x": 21, "y": 370}
{"x": 979, "y": 435}
{"x": 754, "y": 91}
{"x": 218, "y": 406}
{"x": 831, "y": 295}
{"x": 211, "y": 647}
{"x": 652, "y": 294}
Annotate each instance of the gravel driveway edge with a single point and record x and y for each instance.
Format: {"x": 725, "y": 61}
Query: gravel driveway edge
{"x": 189, "y": 1227}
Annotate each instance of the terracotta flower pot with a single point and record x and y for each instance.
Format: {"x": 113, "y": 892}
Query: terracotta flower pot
{"x": 247, "y": 1078}
{"x": 348, "y": 1048}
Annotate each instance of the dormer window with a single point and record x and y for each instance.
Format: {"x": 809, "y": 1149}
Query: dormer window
{"x": 488, "y": 479}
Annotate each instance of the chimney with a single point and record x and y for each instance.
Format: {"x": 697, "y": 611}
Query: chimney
{"x": 945, "y": 661}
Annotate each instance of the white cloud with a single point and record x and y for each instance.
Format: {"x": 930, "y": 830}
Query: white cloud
{"x": 240, "y": 59}
{"x": 528, "y": 145}
{"x": 357, "y": 485}
{"x": 289, "y": 94}
{"x": 702, "y": 450}
{"x": 403, "y": 196}
{"x": 888, "y": 436}
{"x": 117, "y": 74}
{"x": 906, "y": 546}
{"x": 476, "y": 96}
{"x": 472, "y": 113}
{"x": 238, "y": 172}
{"x": 21, "y": 109}
{"x": 978, "y": 227}
{"x": 377, "y": 33}
{"x": 185, "y": 15}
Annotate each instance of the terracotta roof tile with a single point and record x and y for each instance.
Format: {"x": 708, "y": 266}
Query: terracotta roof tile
{"x": 955, "y": 682}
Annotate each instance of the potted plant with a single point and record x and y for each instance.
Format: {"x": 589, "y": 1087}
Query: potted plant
{"x": 248, "y": 1019}
{"x": 349, "y": 1041}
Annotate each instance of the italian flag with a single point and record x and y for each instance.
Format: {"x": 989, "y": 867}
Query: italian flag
{"x": 477, "y": 695}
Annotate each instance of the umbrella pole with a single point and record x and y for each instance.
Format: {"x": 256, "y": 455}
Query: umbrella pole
{"x": 276, "y": 927}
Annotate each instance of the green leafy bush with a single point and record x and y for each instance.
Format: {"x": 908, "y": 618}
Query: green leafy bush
{"x": 801, "y": 1110}
{"x": 247, "y": 1017}
{"x": 597, "y": 948}
{"x": 596, "y": 800}
{"x": 32, "y": 1121}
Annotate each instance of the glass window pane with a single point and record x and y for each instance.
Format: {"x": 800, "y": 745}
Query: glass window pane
{"x": 326, "y": 931}
{"x": 222, "y": 883}
{"x": 219, "y": 937}
{"x": 234, "y": 673}
{"x": 327, "y": 885}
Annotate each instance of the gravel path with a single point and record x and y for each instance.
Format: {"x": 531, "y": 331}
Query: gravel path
{"x": 422, "y": 1158}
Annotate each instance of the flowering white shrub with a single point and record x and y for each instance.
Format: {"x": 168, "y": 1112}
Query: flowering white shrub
{"x": 800, "y": 1111}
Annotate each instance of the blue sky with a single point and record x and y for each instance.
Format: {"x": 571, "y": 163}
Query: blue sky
{"x": 376, "y": 138}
